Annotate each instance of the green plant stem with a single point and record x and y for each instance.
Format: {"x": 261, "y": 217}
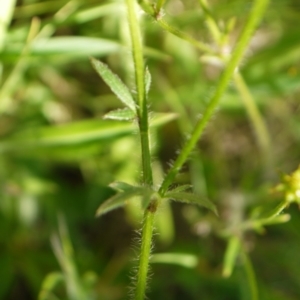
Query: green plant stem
{"x": 160, "y": 4}
{"x": 250, "y": 276}
{"x": 277, "y": 210}
{"x": 201, "y": 46}
{"x": 148, "y": 221}
{"x": 253, "y": 20}
{"x": 260, "y": 128}
{"x": 144, "y": 255}
{"x": 138, "y": 59}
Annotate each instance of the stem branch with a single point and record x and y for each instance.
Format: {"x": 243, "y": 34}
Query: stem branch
{"x": 253, "y": 20}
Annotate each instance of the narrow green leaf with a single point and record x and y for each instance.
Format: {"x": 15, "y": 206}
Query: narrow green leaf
{"x": 75, "y": 133}
{"x": 180, "y": 188}
{"x": 259, "y": 224}
{"x": 192, "y": 199}
{"x": 116, "y": 201}
{"x": 121, "y": 198}
{"x": 181, "y": 259}
{"x": 51, "y": 281}
{"x": 121, "y": 186}
{"x": 69, "y": 46}
{"x": 95, "y": 12}
{"x": 126, "y": 192}
{"x": 114, "y": 82}
{"x": 232, "y": 251}
{"x": 148, "y": 80}
{"x": 125, "y": 114}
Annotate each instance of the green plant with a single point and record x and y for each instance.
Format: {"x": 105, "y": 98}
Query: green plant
{"x": 138, "y": 109}
{"x": 228, "y": 100}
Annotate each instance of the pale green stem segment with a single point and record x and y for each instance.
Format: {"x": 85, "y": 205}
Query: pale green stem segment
{"x": 254, "y": 114}
{"x": 251, "y": 276}
{"x": 148, "y": 221}
{"x": 160, "y": 4}
{"x": 138, "y": 59}
{"x": 277, "y": 210}
{"x": 137, "y": 49}
{"x": 253, "y": 20}
{"x": 145, "y": 255}
{"x": 201, "y": 46}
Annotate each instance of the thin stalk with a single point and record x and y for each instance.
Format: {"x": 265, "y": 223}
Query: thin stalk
{"x": 139, "y": 67}
{"x": 148, "y": 221}
{"x": 260, "y": 128}
{"x": 201, "y": 46}
{"x": 155, "y": 14}
{"x": 145, "y": 251}
{"x": 250, "y": 276}
{"x": 160, "y": 4}
{"x": 253, "y": 20}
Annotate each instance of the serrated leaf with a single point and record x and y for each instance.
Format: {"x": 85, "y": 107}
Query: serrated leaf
{"x": 192, "y": 199}
{"x": 121, "y": 198}
{"x": 125, "y": 114}
{"x": 148, "y": 80}
{"x": 114, "y": 82}
{"x": 180, "y": 188}
{"x": 121, "y": 186}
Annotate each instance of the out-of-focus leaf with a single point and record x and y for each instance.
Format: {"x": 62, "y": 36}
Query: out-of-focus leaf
{"x": 35, "y": 9}
{"x": 121, "y": 186}
{"x": 232, "y": 251}
{"x": 6, "y": 12}
{"x": 181, "y": 259}
{"x": 148, "y": 80}
{"x": 114, "y": 82}
{"x": 191, "y": 199}
{"x": 49, "y": 284}
{"x": 181, "y": 188}
{"x": 68, "y": 45}
{"x": 95, "y": 12}
{"x": 259, "y": 224}
{"x": 76, "y": 133}
{"x": 125, "y": 114}
{"x": 165, "y": 224}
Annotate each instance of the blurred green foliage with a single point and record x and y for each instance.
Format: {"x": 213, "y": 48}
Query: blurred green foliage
{"x": 58, "y": 155}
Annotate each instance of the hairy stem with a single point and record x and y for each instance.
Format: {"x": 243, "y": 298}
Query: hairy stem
{"x": 147, "y": 232}
{"x": 253, "y": 20}
{"x": 148, "y": 221}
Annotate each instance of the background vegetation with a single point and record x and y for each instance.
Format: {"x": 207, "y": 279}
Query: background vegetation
{"x": 58, "y": 155}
